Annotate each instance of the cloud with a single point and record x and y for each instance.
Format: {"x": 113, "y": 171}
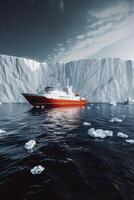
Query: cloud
{"x": 32, "y": 1}
{"x": 80, "y": 36}
{"x": 120, "y": 8}
{"x": 60, "y": 44}
{"x": 59, "y": 3}
{"x": 110, "y": 26}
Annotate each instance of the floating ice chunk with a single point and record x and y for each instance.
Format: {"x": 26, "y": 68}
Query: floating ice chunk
{"x": 0, "y": 103}
{"x": 30, "y": 144}
{"x": 92, "y": 132}
{"x": 99, "y": 133}
{"x": 37, "y": 170}
{"x": 2, "y": 131}
{"x": 87, "y": 124}
{"x": 122, "y": 135}
{"x": 115, "y": 120}
{"x": 123, "y": 116}
{"x": 113, "y": 103}
{"x": 22, "y": 123}
{"x": 69, "y": 159}
{"x": 97, "y": 107}
{"x": 108, "y": 133}
{"x": 130, "y": 141}
{"x": 88, "y": 108}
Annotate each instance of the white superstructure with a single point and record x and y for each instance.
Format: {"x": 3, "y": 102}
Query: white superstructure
{"x": 54, "y": 93}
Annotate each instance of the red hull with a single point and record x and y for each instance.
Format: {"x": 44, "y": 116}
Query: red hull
{"x": 36, "y": 100}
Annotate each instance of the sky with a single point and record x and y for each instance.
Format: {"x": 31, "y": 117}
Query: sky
{"x": 66, "y": 30}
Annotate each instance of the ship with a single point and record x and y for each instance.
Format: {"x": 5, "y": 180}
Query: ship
{"x": 54, "y": 97}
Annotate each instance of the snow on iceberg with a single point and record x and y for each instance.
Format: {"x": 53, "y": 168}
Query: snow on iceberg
{"x": 122, "y": 135}
{"x": 130, "y": 141}
{"x": 30, "y": 144}
{"x": 37, "y": 170}
{"x": 2, "y": 131}
{"x": 86, "y": 123}
{"x": 99, "y": 133}
{"x": 115, "y": 119}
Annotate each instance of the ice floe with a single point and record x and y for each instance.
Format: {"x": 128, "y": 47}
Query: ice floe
{"x": 113, "y": 103}
{"x": 30, "y": 144}
{"x": 123, "y": 116}
{"x": 37, "y": 170}
{"x": 86, "y": 123}
{"x": 122, "y": 135}
{"x": 115, "y": 119}
{"x": 99, "y": 133}
{"x": 88, "y": 108}
{"x": 2, "y": 131}
{"x": 131, "y": 141}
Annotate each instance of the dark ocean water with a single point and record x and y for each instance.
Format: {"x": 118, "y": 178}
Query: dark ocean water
{"x": 77, "y": 166}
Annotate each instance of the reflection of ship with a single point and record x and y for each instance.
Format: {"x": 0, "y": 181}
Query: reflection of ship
{"x": 55, "y": 97}
{"x": 62, "y": 119}
{"x": 59, "y": 120}
{"x": 129, "y": 101}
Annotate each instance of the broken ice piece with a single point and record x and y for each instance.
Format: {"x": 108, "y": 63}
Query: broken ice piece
{"x": 2, "y": 131}
{"x": 113, "y": 103}
{"x": 30, "y": 144}
{"x": 130, "y": 141}
{"x": 37, "y": 170}
{"x": 115, "y": 119}
{"x": 108, "y": 133}
{"x": 99, "y": 133}
{"x": 123, "y": 116}
{"x": 122, "y": 135}
{"x": 86, "y": 123}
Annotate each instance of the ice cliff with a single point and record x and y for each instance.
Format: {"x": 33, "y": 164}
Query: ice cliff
{"x": 99, "y": 80}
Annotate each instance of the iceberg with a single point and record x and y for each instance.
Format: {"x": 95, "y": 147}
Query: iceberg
{"x": 130, "y": 141}
{"x": 106, "y": 80}
{"x": 115, "y": 119}
{"x": 99, "y": 133}
{"x": 122, "y": 135}
{"x": 30, "y": 144}
{"x": 87, "y": 124}
{"x": 37, "y": 170}
{"x": 2, "y": 131}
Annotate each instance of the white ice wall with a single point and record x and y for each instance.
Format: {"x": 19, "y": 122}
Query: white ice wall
{"x": 99, "y": 80}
